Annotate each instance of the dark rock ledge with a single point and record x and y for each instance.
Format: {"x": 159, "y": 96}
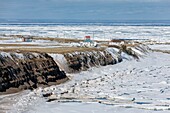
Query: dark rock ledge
{"x": 20, "y": 71}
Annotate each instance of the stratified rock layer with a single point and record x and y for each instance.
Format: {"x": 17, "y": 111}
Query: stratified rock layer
{"x": 79, "y": 61}
{"x": 20, "y": 71}
{"x": 25, "y": 70}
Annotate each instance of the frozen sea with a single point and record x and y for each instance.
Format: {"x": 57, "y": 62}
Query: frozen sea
{"x": 104, "y": 31}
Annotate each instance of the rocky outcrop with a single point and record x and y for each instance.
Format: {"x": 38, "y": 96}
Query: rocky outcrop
{"x": 134, "y": 50}
{"x": 79, "y": 61}
{"x": 25, "y": 70}
{"x": 20, "y": 71}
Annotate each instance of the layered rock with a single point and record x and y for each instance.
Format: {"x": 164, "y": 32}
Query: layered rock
{"x": 80, "y": 61}
{"x": 134, "y": 50}
{"x": 20, "y": 71}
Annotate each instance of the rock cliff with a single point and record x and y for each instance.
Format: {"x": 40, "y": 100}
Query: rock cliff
{"x": 20, "y": 71}
{"x": 29, "y": 70}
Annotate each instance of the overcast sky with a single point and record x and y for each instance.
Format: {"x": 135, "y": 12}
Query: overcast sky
{"x": 86, "y": 9}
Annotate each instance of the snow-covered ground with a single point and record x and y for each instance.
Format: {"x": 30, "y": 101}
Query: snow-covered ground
{"x": 128, "y": 87}
{"x": 139, "y": 85}
{"x": 160, "y": 47}
{"x": 86, "y": 108}
{"x": 160, "y": 34}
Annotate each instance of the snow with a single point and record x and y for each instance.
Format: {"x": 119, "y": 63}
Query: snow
{"x": 158, "y": 33}
{"x": 85, "y": 108}
{"x": 60, "y": 60}
{"x": 4, "y": 54}
{"x": 160, "y": 47}
{"x": 130, "y": 86}
{"x": 19, "y": 55}
{"x": 127, "y": 87}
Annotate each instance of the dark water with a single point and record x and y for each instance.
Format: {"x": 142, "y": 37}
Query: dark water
{"x": 45, "y": 22}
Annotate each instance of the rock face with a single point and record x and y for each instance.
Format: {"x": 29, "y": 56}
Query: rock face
{"x": 135, "y": 51}
{"x": 79, "y": 61}
{"x": 20, "y": 71}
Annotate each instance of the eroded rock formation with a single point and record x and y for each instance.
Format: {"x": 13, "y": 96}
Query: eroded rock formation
{"x": 26, "y": 70}
{"x": 79, "y": 61}
{"x": 20, "y": 71}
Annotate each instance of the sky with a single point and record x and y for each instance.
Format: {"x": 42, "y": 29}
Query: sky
{"x": 85, "y": 9}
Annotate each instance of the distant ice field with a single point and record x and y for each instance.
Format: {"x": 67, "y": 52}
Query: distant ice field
{"x": 96, "y": 31}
